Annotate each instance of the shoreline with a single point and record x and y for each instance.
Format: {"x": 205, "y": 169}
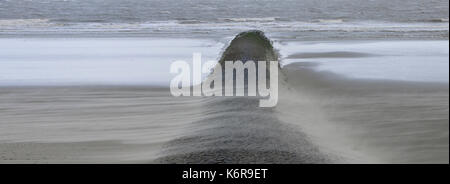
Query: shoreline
{"x": 219, "y": 37}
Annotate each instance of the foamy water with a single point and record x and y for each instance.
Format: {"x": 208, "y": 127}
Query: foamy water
{"x": 286, "y": 19}
{"x": 291, "y": 30}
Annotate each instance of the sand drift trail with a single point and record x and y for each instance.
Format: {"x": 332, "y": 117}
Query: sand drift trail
{"x": 236, "y": 129}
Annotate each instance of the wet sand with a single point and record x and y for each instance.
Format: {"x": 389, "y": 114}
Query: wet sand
{"x": 320, "y": 118}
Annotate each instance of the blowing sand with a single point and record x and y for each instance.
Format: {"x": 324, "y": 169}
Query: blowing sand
{"x": 92, "y": 101}
{"x": 320, "y": 117}
{"x": 369, "y": 121}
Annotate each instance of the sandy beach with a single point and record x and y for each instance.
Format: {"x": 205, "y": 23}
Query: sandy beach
{"x": 350, "y": 121}
{"x": 323, "y": 116}
{"x": 87, "y": 81}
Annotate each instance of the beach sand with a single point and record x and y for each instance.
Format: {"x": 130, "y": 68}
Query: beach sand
{"x": 87, "y": 81}
{"x": 369, "y": 121}
{"x": 92, "y": 100}
{"x": 320, "y": 117}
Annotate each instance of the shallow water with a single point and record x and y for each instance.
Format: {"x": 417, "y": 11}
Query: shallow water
{"x": 424, "y": 61}
{"x": 133, "y": 61}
